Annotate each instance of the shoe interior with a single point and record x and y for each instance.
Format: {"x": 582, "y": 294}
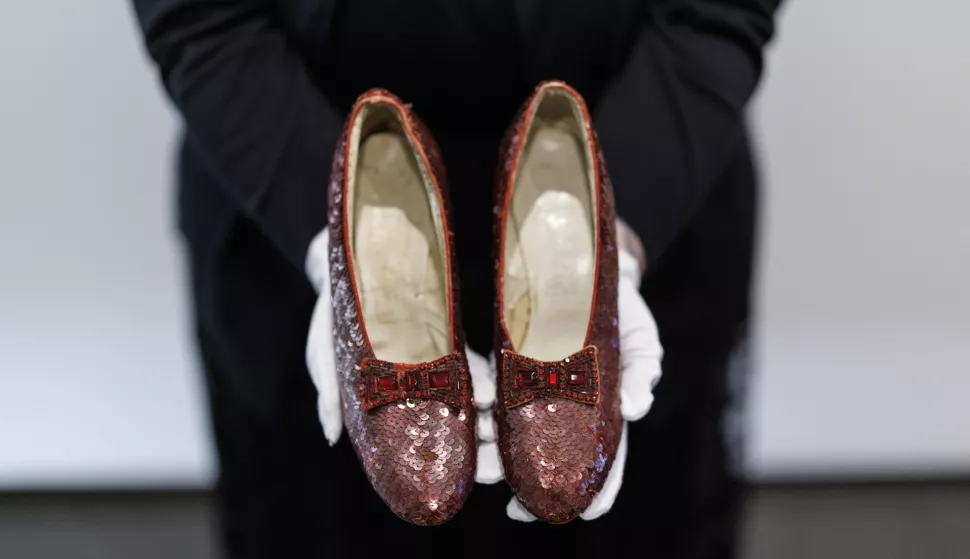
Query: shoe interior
{"x": 550, "y": 259}
{"x": 397, "y": 241}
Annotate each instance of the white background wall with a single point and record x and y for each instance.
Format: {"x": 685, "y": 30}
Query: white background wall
{"x": 865, "y": 299}
{"x": 864, "y": 348}
{"x": 97, "y": 380}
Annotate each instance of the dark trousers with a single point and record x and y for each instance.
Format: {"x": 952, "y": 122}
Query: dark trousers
{"x": 283, "y": 492}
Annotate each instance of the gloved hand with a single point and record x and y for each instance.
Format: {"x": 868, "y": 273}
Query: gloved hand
{"x": 320, "y": 352}
{"x": 640, "y": 356}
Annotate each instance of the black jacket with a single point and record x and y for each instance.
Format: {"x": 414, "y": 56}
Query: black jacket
{"x": 264, "y": 86}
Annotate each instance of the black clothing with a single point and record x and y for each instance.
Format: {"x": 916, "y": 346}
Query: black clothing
{"x": 264, "y": 87}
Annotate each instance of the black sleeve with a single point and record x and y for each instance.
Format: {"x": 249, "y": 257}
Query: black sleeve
{"x": 671, "y": 118}
{"x": 261, "y": 126}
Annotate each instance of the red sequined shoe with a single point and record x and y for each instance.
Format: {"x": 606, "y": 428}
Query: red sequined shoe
{"x": 557, "y": 343}
{"x": 400, "y": 349}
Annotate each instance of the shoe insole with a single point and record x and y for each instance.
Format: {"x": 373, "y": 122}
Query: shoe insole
{"x": 550, "y": 256}
{"x": 399, "y": 263}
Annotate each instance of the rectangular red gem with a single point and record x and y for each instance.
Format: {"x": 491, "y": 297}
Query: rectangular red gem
{"x": 577, "y": 378}
{"x": 386, "y": 383}
{"x": 412, "y": 381}
{"x": 553, "y": 379}
{"x": 439, "y": 380}
{"x": 526, "y": 379}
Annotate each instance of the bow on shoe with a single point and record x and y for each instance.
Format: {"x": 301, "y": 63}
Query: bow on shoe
{"x": 575, "y": 377}
{"x": 445, "y": 380}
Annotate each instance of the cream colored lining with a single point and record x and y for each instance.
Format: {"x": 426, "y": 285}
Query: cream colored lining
{"x": 397, "y": 240}
{"x": 550, "y": 235}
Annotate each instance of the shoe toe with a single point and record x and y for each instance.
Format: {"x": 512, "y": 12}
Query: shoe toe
{"x": 558, "y": 457}
{"x": 420, "y": 457}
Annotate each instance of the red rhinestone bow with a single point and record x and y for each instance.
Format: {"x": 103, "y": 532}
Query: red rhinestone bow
{"x": 575, "y": 377}
{"x": 445, "y": 380}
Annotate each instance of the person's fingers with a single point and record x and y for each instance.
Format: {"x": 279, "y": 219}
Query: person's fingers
{"x": 321, "y": 364}
{"x": 482, "y": 371}
{"x": 603, "y": 501}
{"x": 516, "y": 511}
{"x": 489, "y": 467}
{"x": 640, "y": 350}
{"x": 332, "y": 421}
{"x": 629, "y": 242}
{"x": 486, "y": 426}
{"x": 317, "y": 265}
{"x": 629, "y": 268}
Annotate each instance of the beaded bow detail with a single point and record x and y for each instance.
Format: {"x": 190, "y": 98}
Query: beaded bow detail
{"x": 445, "y": 380}
{"x": 575, "y": 377}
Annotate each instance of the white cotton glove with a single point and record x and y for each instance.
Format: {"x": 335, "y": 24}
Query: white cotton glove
{"x": 640, "y": 356}
{"x": 320, "y": 357}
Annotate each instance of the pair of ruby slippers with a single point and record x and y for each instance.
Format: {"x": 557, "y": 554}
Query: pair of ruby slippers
{"x": 400, "y": 349}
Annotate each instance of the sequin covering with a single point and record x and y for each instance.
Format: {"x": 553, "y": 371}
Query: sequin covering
{"x": 557, "y": 452}
{"x": 419, "y": 454}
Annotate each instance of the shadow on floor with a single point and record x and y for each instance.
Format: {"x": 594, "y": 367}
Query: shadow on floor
{"x": 810, "y": 522}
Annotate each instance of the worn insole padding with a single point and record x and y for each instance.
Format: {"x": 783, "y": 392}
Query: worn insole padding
{"x": 399, "y": 263}
{"x": 548, "y": 284}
